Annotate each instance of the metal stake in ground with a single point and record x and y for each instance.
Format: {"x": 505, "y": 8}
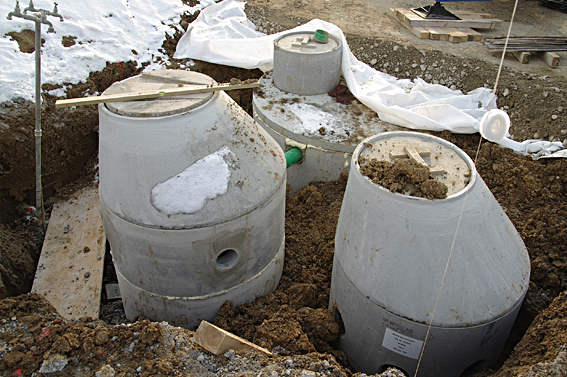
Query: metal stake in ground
{"x": 39, "y": 17}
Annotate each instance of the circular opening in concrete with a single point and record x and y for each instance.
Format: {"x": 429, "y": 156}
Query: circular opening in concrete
{"x": 474, "y": 368}
{"x": 227, "y": 259}
{"x": 385, "y": 367}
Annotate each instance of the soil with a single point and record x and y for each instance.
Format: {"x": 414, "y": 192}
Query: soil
{"x": 405, "y": 177}
{"x": 293, "y": 321}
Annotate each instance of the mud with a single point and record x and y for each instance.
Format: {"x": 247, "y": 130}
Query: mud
{"x": 404, "y": 177}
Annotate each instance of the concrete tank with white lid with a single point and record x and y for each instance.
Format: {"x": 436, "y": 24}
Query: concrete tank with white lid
{"x": 192, "y": 198}
{"x": 391, "y": 251}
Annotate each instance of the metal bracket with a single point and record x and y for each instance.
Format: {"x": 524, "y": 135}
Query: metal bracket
{"x": 435, "y": 11}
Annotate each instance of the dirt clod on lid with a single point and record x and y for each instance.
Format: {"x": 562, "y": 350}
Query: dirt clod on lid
{"x": 404, "y": 177}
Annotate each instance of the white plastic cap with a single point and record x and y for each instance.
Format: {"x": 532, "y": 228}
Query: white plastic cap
{"x": 494, "y": 125}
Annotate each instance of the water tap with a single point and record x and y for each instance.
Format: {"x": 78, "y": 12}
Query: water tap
{"x": 17, "y": 12}
{"x": 54, "y": 12}
{"x": 39, "y": 16}
{"x": 44, "y": 20}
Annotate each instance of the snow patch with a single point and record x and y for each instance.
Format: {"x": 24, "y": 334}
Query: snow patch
{"x": 105, "y": 30}
{"x": 189, "y": 191}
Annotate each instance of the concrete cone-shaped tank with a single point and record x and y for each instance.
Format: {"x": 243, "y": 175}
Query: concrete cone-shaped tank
{"x": 192, "y": 197}
{"x": 391, "y": 251}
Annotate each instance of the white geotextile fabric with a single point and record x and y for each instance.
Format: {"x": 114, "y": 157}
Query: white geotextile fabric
{"x": 222, "y": 34}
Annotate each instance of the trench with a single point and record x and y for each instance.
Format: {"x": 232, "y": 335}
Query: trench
{"x": 311, "y": 216}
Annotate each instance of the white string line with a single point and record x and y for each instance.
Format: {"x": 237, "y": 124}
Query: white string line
{"x": 503, "y": 54}
{"x": 446, "y": 268}
{"x": 492, "y": 101}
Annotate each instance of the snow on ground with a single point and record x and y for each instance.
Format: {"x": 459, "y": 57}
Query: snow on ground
{"x": 105, "y": 31}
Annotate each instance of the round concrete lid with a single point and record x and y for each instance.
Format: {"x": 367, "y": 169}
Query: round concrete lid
{"x": 316, "y": 120}
{"x": 303, "y": 42}
{"x": 447, "y": 163}
{"x": 157, "y": 81}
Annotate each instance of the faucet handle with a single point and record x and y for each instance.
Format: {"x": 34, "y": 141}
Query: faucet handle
{"x": 17, "y": 9}
{"x": 55, "y": 10}
{"x": 30, "y": 7}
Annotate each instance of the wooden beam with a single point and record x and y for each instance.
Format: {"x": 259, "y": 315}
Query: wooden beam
{"x": 473, "y": 35}
{"x": 218, "y": 341}
{"x": 550, "y": 58}
{"x": 434, "y": 34}
{"x": 458, "y": 36}
{"x": 522, "y": 56}
{"x": 149, "y": 95}
{"x": 437, "y": 33}
{"x": 420, "y": 32}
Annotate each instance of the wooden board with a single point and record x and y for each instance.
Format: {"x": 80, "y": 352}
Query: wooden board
{"x": 150, "y": 95}
{"x": 456, "y": 35}
{"x": 472, "y": 35}
{"x": 523, "y": 57}
{"x": 437, "y": 33}
{"x": 218, "y": 341}
{"x": 550, "y": 58}
{"x": 420, "y": 32}
{"x": 69, "y": 272}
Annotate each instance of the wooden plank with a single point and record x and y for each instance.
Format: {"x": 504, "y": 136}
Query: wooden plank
{"x": 458, "y": 36}
{"x": 436, "y": 170}
{"x": 550, "y": 58}
{"x": 69, "y": 272}
{"x": 467, "y": 14}
{"x": 434, "y": 34}
{"x": 441, "y": 33}
{"x": 420, "y": 32}
{"x": 522, "y": 56}
{"x": 218, "y": 341}
{"x": 473, "y": 35}
{"x": 423, "y": 152}
{"x": 409, "y": 15}
{"x": 148, "y": 95}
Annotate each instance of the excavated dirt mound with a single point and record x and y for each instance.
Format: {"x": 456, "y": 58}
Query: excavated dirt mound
{"x": 35, "y": 339}
{"x": 293, "y": 320}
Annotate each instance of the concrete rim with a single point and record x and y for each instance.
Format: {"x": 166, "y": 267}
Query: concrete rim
{"x": 383, "y": 135}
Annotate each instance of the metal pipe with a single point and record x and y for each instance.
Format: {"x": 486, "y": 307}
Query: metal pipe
{"x": 39, "y": 17}
{"x": 38, "y": 131}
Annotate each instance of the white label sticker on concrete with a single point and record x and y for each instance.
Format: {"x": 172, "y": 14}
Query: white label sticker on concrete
{"x": 404, "y": 345}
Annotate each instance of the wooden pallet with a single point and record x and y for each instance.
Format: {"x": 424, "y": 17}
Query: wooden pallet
{"x": 69, "y": 272}
{"x": 447, "y": 30}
